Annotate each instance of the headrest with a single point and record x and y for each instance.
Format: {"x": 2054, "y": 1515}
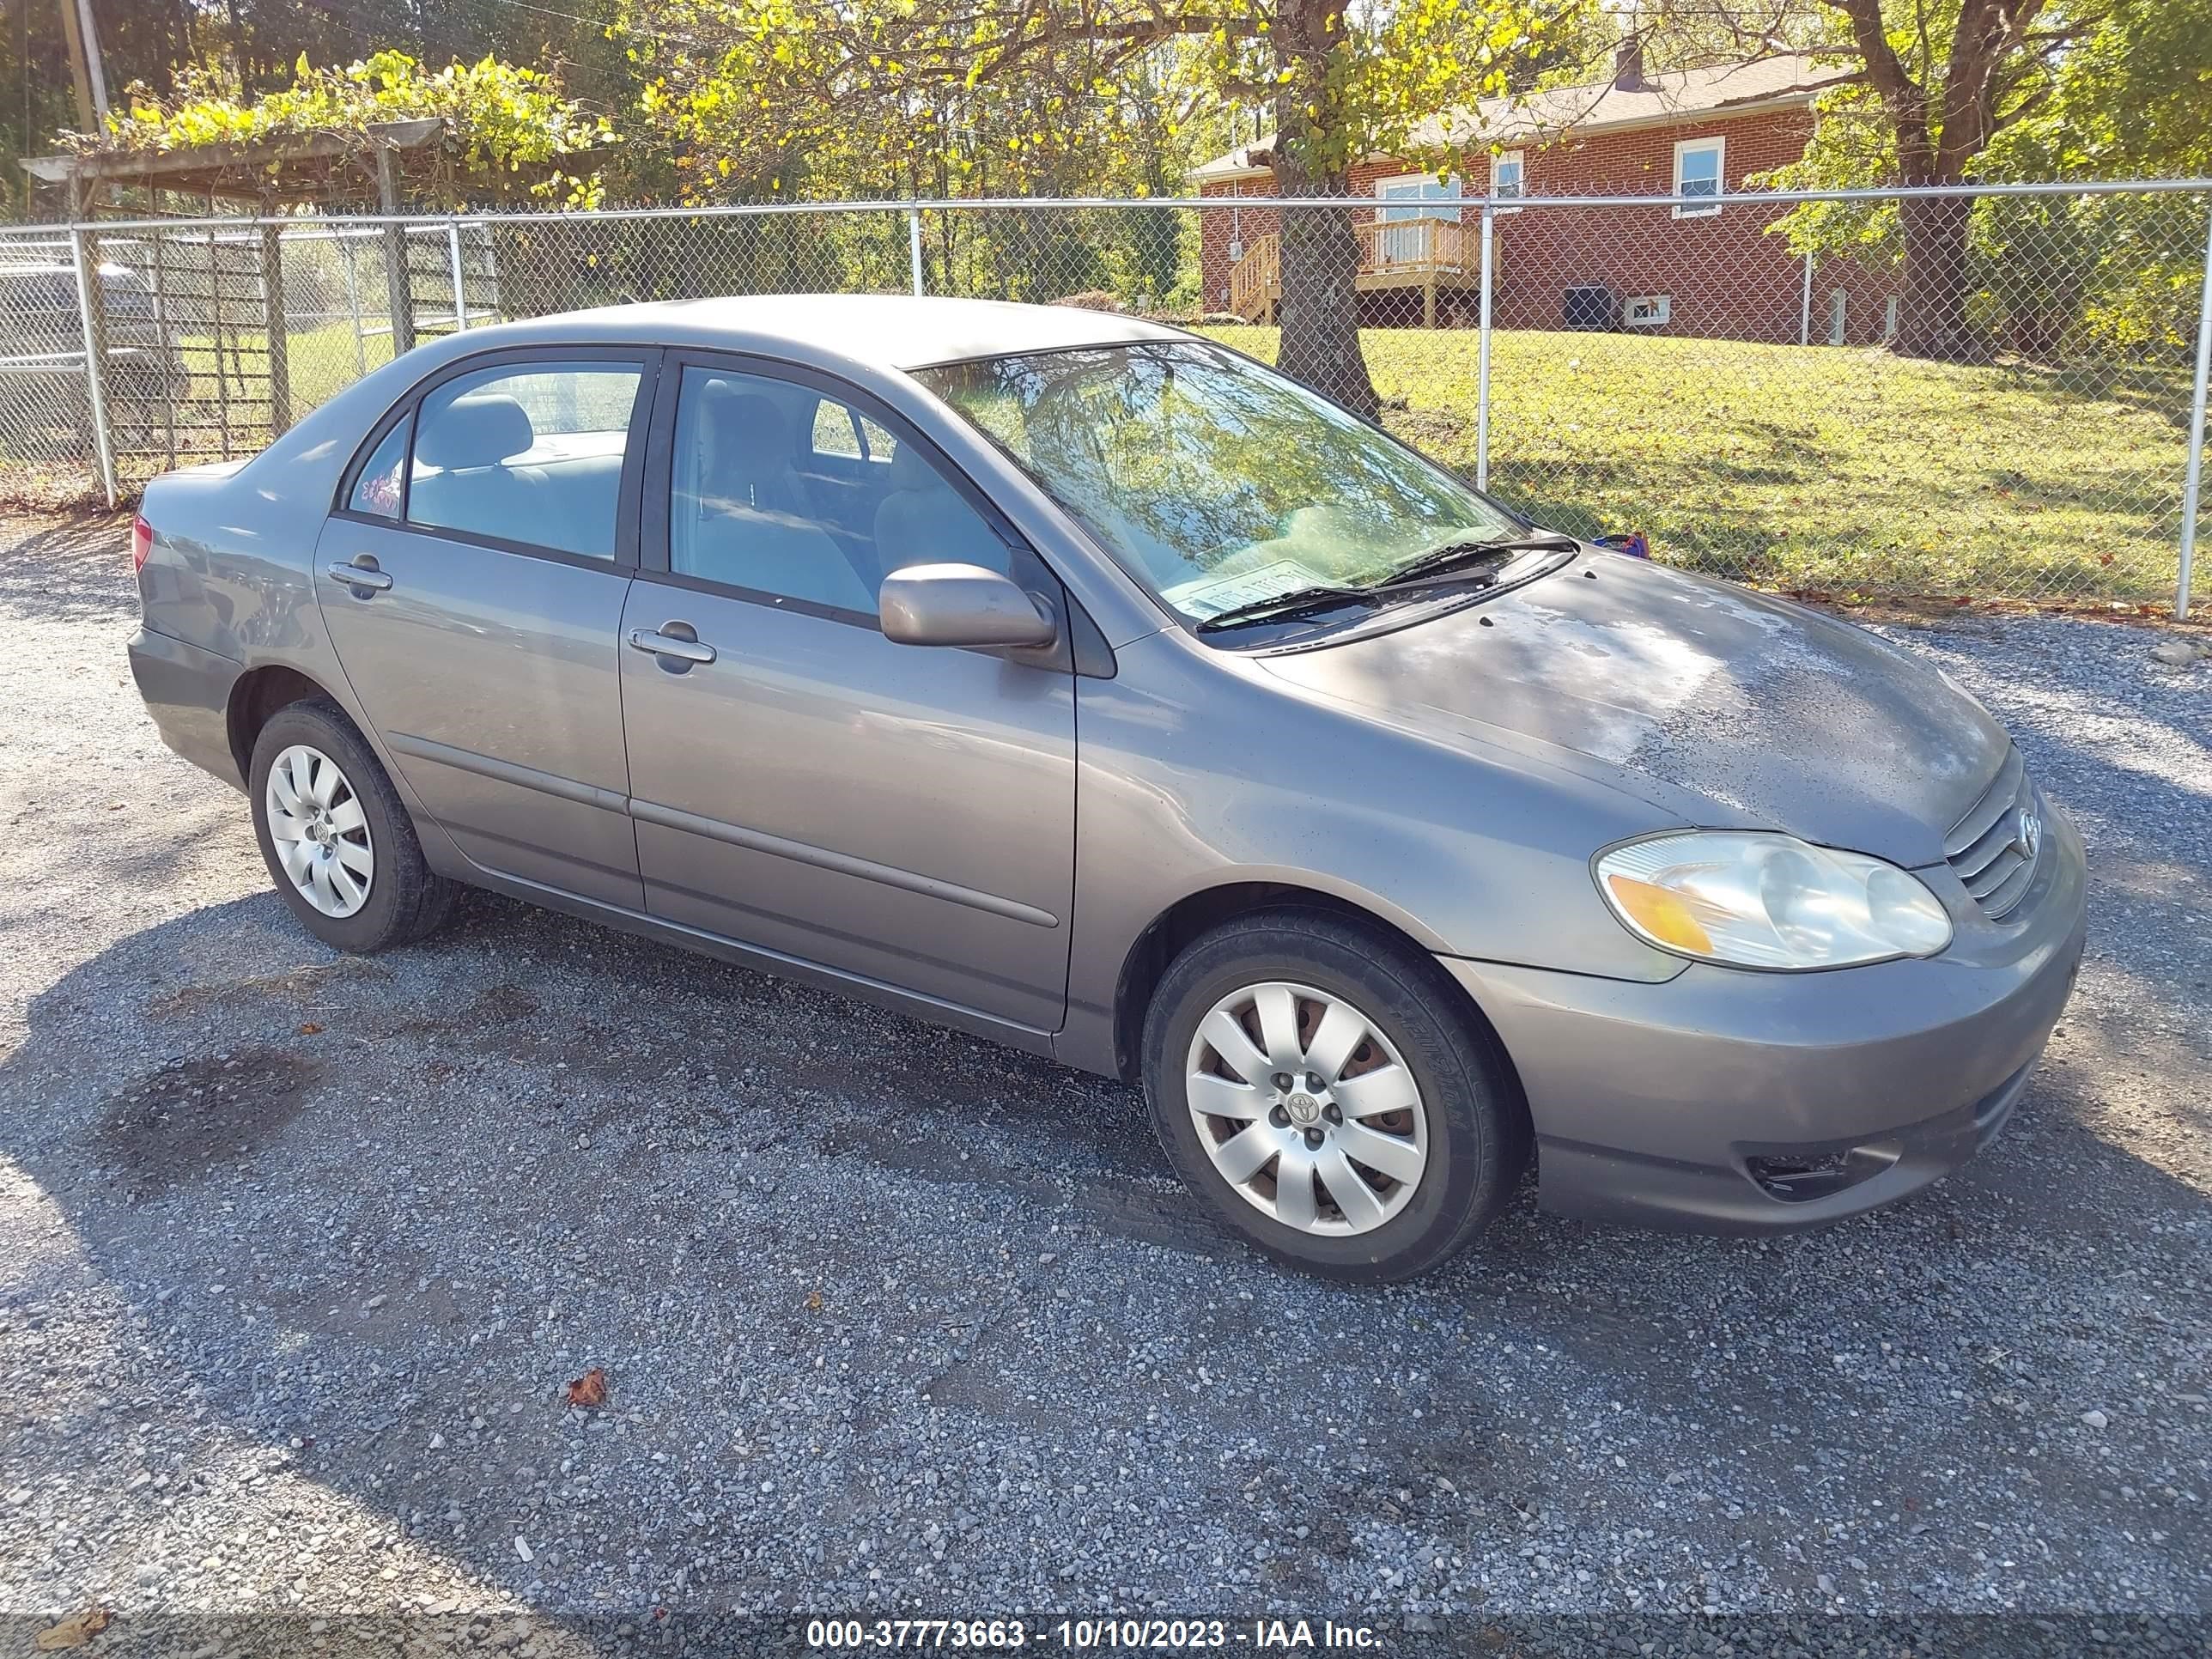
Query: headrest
{"x": 742, "y": 434}
{"x": 910, "y": 471}
{"x": 481, "y": 429}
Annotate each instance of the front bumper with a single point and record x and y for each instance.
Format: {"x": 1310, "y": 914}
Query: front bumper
{"x": 1722, "y": 1101}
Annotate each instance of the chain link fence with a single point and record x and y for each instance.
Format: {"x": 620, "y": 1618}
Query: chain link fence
{"x": 1993, "y": 394}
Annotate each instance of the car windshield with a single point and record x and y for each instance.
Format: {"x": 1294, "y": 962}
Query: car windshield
{"x": 1220, "y": 481}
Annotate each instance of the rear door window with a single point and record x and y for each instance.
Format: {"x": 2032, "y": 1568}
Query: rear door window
{"x": 525, "y": 452}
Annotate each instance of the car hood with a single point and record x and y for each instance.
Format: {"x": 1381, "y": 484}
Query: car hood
{"x": 1723, "y": 707}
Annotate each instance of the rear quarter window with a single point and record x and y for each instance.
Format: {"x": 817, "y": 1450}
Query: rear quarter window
{"x": 376, "y": 491}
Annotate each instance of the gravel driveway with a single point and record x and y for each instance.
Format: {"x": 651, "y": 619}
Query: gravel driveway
{"x": 300, "y": 1252}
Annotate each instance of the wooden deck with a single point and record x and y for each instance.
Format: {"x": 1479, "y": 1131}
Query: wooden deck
{"x": 1424, "y": 253}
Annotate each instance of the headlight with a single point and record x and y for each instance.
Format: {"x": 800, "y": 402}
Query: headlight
{"x": 1754, "y": 900}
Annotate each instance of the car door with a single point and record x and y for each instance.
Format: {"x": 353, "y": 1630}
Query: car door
{"x": 473, "y": 586}
{"x": 799, "y": 782}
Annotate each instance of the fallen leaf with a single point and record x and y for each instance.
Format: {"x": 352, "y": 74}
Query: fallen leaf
{"x": 310, "y": 1029}
{"x": 590, "y": 1389}
{"x": 814, "y": 1301}
{"x": 73, "y": 1631}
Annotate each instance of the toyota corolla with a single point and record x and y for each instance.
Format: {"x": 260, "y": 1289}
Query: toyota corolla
{"x": 1084, "y": 684}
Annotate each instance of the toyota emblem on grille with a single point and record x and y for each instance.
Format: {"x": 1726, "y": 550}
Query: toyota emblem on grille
{"x": 2027, "y": 835}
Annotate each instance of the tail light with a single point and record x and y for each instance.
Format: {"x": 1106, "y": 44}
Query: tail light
{"x": 142, "y": 544}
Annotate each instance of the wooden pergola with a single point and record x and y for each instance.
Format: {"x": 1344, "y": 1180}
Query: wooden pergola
{"x": 376, "y": 169}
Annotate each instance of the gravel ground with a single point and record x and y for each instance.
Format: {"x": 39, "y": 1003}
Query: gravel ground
{"x": 301, "y": 1250}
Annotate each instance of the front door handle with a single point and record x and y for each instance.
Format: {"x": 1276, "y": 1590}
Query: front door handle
{"x": 359, "y": 576}
{"x": 669, "y": 645}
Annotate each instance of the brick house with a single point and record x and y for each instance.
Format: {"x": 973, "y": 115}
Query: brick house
{"x": 1705, "y": 271}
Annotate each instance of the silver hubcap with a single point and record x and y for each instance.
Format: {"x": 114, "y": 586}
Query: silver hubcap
{"x": 1306, "y": 1109}
{"x": 320, "y": 833}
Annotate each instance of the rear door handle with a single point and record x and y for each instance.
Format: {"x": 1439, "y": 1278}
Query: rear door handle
{"x": 359, "y": 576}
{"x": 668, "y": 644}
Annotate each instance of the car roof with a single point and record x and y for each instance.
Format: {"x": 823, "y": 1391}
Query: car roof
{"x": 890, "y": 330}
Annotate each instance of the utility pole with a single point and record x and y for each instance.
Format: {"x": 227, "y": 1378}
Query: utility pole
{"x": 94, "y": 68}
{"x": 83, "y": 34}
{"x": 80, "y": 71}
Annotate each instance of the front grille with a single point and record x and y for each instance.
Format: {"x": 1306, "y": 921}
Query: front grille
{"x": 1996, "y": 847}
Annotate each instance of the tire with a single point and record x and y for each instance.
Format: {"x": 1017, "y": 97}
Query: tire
{"x": 401, "y": 899}
{"x": 1460, "y": 1135}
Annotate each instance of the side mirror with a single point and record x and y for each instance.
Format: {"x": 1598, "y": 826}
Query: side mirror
{"x": 960, "y": 605}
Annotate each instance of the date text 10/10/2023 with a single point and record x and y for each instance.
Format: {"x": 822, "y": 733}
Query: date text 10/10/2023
{"x": 1083, "y": 1635}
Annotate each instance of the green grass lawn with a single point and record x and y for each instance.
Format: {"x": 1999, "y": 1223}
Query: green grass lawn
{"x": 323, "y": 363}
{"x": 1834, "y": 470}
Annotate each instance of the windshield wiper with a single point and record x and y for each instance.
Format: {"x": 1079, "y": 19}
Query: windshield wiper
{"x": 1458, "y": 555}
{"x": 1453, "y": 556}
{"x": 1286, "y": 603}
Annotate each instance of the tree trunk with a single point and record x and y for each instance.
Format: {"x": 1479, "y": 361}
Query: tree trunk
{"x": 1320, "y": 309}
{"x": 1932, "y": 311}
{"x": 1320, "y": 313}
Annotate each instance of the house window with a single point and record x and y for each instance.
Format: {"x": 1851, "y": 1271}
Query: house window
{"x": 1414, "y": 195}
{"x": 1698, "y": 172}
{"x": 1413, "y": 209}
{"x": 1508, "y": 173}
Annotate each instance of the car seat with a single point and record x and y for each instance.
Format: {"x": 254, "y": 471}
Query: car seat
{"x": 748, "y": 525}
{"x": 924, "y": 520}
{"x": 468, "y": 442}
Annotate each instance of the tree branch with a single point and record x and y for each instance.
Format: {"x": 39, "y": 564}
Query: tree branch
{"x": 1906, "y": 100}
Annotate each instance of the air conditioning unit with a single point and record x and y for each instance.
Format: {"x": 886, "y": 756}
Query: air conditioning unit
{"x": 1648, "y": 310}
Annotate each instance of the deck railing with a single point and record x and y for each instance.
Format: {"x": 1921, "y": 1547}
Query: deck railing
{"x": 1409, "y": 252}
{"x": 1256, "y": 280}
{"x": 1415, "y": 245}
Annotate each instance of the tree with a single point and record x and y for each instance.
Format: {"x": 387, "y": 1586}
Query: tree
{"x": 1992, "y": 91}
{"x": 139, "y": 40}
{"x": 780, "y": 81}
{"x": 1942, "y": 81}
{"x": 1994, "y": 69}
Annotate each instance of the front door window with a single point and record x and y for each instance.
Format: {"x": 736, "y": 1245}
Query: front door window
{"x": 782, "y": 491}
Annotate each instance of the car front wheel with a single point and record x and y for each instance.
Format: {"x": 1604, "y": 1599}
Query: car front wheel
{"x": 1331, "y": 1096}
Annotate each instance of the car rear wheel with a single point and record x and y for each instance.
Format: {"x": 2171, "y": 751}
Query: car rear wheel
{"x": 1330, "y": 1097}
{"x": 336, "y": 837}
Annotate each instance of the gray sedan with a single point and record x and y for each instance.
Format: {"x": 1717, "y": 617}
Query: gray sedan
{"x": 1085, "y": 684}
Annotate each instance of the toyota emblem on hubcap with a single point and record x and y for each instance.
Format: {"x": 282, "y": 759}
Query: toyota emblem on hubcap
{"x": 1303, "y": 1109}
